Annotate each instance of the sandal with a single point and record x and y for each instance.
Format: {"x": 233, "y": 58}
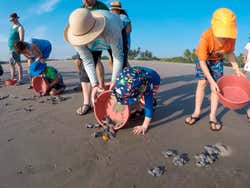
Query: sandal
{"x": 192, "y": 120}
{"x": 213, "y": 126}
{"x": 84, "y": 109}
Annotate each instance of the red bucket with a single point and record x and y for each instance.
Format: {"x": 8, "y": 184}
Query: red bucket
{"x": 10, "y": 82}
{"x": 234, "y": 91}
{"x": 40, "y": 85}
{"x": 106, "y": 105}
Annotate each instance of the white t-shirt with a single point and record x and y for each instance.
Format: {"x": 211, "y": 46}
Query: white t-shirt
{"x": 248, "y": 50}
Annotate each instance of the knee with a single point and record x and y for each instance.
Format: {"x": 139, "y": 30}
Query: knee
{"x": 202, "y": 84}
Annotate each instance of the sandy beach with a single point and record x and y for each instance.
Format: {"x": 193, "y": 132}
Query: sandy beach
{"x": 46, "y": 145}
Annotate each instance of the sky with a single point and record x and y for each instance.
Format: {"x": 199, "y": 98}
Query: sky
{"x": 164, "y": 27}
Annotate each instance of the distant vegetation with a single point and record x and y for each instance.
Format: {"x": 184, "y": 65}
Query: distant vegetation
{"x": 187, "y": 57}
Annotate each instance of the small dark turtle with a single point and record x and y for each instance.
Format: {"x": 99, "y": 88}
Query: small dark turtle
{"x": 157, "y": 171}
{"x": 4, "y": 97}
{"x": 89, "y": 126}
{"x": 180, "y": 160}
{"x": 97, "y": 125}
{"x": 169, "y": 153}
{"x": 29, "y": 109}
{"x": 97, "y": 134}
{"x": 107, "y": 121}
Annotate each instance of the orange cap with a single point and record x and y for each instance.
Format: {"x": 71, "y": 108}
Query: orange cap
{"x": 224, "y": 23}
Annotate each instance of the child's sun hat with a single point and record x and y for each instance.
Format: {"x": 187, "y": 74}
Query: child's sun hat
{"x": 116, "y": 5}
{"x": 131, "y": 84}
{"x": 224, "y": 24}
{"x": 37, "y": 68}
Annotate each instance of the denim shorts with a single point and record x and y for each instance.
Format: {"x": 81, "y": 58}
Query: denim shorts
{"x": 13, "y": 57}
{"x": 215, "y": 68}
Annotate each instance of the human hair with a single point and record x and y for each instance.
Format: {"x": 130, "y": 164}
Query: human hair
{"x": 20, "y": 46}
{"x": 123, "y": 12}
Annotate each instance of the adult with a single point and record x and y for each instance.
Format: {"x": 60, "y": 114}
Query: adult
{"x": 91, "y": 5}
{"x": 247, "y": 68}
{"x": 16, "y": 34}
{"x": 82, "y": 32}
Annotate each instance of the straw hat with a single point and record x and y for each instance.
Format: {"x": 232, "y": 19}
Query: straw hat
{"x": 84, "y": 26}
{"x": 224, "y": 23}
{"x": 116, "y": 5}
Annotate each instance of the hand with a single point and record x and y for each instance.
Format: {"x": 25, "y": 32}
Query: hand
{"x": 215, "y": 88}
{"x": 140, "y": 130}
{"x": 95, "y": 92}
{"x": 112, "y": 85}
{"x": 239, "y": 73}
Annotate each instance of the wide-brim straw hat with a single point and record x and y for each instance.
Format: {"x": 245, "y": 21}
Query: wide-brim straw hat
{"x": 224, "y": 24}
{"x": 84, "y": 27}
{"x": 116, "y": 5}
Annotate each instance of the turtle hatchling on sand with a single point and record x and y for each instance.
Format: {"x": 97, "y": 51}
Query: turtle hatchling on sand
{"x": 89, "y": 126}
{"x": 169, "y": 153}
{"x": 180, "y": 160}
{"x": 157, "y": 171}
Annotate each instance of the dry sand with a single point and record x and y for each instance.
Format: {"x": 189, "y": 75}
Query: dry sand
{"x": 50, "y": 147}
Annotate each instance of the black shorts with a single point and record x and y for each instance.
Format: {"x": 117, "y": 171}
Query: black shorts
{"x": 83, "y": 74}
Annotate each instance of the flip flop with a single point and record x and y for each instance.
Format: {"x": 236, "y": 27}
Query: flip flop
{"x": 84, "y": 109}
{"x": 193, "y": 120}
{"x": 213, "y": 126}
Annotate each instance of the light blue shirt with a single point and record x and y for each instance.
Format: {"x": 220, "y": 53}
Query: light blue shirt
{"x": 110, "y": 37}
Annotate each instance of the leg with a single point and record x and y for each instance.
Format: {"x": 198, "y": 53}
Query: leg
{"x": 100, "y": 73}
{"x": 199, "y": 96}
{"x": 110, "y": 64}
{"x": 12, "y": 71}
{"x": 78, "y": 63}
{"x": 214, "y": 125}
{"x": 20, "y": 71}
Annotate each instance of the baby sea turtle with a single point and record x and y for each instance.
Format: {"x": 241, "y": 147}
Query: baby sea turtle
{"x": 180, "y": 160}
{"x": 157, "y": 171}
{"x": 89, "y": 126}
{"x": 97, "y": 125}
{"x": 169, "y": 153}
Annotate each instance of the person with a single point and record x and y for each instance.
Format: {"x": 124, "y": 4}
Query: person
{"x": 247, "y": 57}
{"x": 36, "y": 50}
{"x": 134, "y": 83}
{"x": 101, "y": 26}
{"x": 56, "y": 85}
{"x": 1, "y": 70}
{"x": 91, "y": 5}
{"x": 217, "y": 41}
{"x": 117, "y": 9}
{"x": 16, "y": 34}
{"x": 247, "y": 68}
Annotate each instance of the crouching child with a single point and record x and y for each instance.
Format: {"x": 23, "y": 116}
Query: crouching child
{"x": 56, "y": 85}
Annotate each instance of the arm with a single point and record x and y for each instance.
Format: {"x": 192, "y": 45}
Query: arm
{"x": 148, "y": 109}
{"x": 118, "y": 58}
{"x": 37, "y": 52}
{"x": 21, "y": 33}
{"x": 55, "y": 81}
{"x": 129, "y": 28}
{"x": 245, "y": 56}
{"x": 234, "y": 64}
{"x": 88, "y": 62}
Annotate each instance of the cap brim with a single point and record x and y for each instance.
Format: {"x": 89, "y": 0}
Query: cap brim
{"x": 115, "y": 8}
{"x": 89, "y": 37}
{"x": 225, "y": 32}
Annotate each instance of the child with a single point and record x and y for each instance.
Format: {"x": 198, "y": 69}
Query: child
{"x": 56, "y": 84}
{"x": 36, "y": 50}
{"x": 134, "y": 83}
{"x": 217, "y": 41}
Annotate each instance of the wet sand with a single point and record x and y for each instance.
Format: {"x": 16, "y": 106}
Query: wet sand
{"x": 50, "y": 147}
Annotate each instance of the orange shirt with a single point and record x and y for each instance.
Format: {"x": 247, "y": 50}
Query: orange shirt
{"x": 211, "y": 49}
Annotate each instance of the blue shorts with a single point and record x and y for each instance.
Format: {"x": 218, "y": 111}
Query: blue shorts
{"x": 215, "y": 68}
{"x": 13, "y": 57}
